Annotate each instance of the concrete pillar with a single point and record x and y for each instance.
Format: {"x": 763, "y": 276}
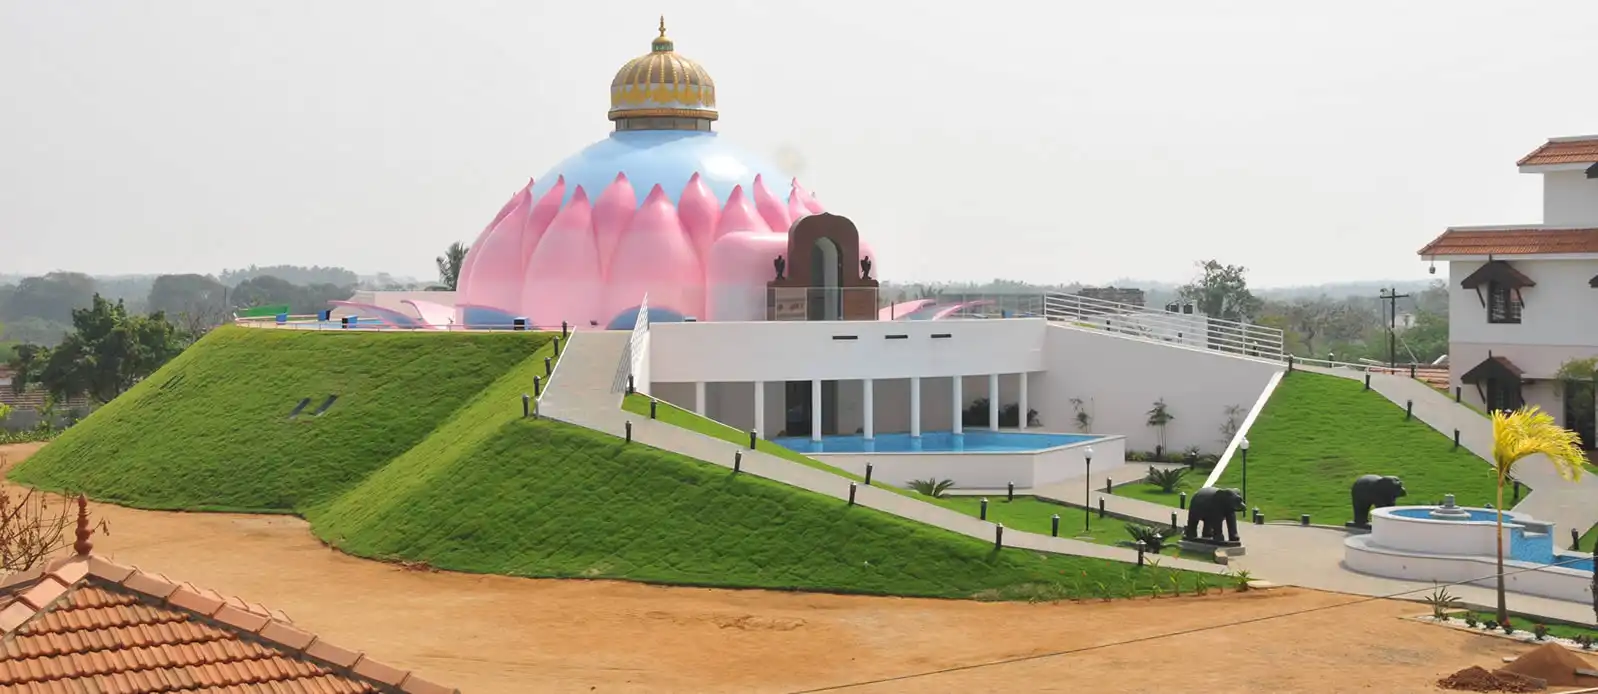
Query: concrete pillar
{"x": 993, "y": 402}
{"x": 699, "y": 398}
{"x": 815, "y": 410}
{"x": 958, "y": 410}
{"x": 760, "y": 408}
{"x": 870, "y": 427}
{"x": 915, "y": 405}
{"x": 1023, "y": 403}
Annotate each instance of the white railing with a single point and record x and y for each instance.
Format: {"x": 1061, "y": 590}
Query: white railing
{"x": 634, "y": 363}
{"x": 1156, "y": 325}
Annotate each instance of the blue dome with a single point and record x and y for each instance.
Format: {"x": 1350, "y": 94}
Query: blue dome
{"x": 665, "y": 157}
{"x": 628, "y": 318}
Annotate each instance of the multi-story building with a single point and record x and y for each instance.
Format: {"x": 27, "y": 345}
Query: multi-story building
{"x": 1523, "y": 299}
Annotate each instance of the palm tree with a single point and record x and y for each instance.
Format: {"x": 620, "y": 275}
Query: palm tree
{"x": 1518, "y": 435}
{"x": 449, "y": 264}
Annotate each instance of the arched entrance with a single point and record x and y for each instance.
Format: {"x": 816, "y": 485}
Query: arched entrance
{"x": 826, "y": 264}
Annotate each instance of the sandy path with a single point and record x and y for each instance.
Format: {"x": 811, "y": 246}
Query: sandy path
{"x": 493, "y": 634}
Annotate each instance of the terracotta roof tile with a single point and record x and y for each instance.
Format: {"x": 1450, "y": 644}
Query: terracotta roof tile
{"x": 89, "y": 625}
{"x": 1564, "y": 150}
{"x": 1512, "y": 241}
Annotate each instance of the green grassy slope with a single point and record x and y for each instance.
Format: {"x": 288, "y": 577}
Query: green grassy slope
{"x": 210, "y": 430}
{"x": 541, "y": 498}
{"x": 1318, "y": 433}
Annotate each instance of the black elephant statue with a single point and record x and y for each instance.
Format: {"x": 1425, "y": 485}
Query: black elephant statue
{"x": 1374, "y": 491}
{"x": 1213, "y": 506}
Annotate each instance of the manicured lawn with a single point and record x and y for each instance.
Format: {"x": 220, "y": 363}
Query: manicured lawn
{"x": 211, "y": 430}
{"x": 1587, "y": 539}
{"x": 541, "y": 498}
{"x": 1319, "y": 433}
{"x": 1145, "y": 491}
{"x": 1524, "y": 624}
{"x": 1034, "y": 515}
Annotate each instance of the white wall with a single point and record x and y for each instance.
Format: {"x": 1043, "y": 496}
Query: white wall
{"x": 777, "y": 351}
{"x": 1122, "y": 378}
{"x": 1550, "y": 582}
{"x": 989, "y": 470}
{"x": 733, "y": 403}
{"x": 1562, "y": 310}
{"x": 1570, "y": 199}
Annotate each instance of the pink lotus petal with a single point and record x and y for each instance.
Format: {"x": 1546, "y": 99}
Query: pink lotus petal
{"x": 739, "y": 215}
{"x": 562, "y": 281}
{"x": 656, "y": 257}
{"x": 612, "y": 211}
{"x": 539, "y": 218}
{"x": 770, "y": 207}
{"x": 495, "y": 276}
{"x": 699, "y": 212}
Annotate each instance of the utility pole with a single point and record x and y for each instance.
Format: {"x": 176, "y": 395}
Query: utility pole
{"x": 1391, "y": 296}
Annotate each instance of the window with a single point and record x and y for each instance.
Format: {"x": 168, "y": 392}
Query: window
{"x": 1502, "y": 395}
{"x": 1503, "y": 306}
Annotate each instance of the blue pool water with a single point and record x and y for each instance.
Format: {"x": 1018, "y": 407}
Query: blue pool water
{"x": 935, "y": 442}
{"x": 1537, "y": 548}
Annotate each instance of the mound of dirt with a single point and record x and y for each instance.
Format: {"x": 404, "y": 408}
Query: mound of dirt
{"x": 1475, "y": 679}
{"x": 1553, "y": 663}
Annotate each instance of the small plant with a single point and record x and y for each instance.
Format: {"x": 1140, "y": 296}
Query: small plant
{"x": 934, "y": 488}
{"x": 1241, "y": 579}
{"x": 1136, "y": 457}
{"x": 1234, "y": 421}
{"x": 1176, "y": 584}
{"x": 1471, "y": 621}
{"x": 1539, "y": 632}
{"x": 1159, "y": 416}
{"x": 1585, "y": 641}
{"x": 1084, "y": 419}
{"x": 1201, "y": 585}
{"x": 1441, "y": 601}
{"x": 1167, "y": 479}
{"x": 1508, "y": 627}
{"x": 1151, "y": 537}
{"x": 1490, "y": 625}
{"x": 1104, "y": 591}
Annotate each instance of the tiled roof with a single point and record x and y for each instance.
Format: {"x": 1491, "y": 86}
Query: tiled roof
{"x": 1512, "y": 241}
{"x": 84, "y": 624}
{"x": 33, "y": 398}
{"x": 1564, "y": 150}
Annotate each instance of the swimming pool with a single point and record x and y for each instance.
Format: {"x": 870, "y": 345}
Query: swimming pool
{"x": 1532, "y": 548}
{"x": 936, "y": 442}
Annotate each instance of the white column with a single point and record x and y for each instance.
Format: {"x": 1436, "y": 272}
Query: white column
{"x": 815, "y": 410}
{"x": 699, "y": 398}
{"x": 993, "y": 402}
{"x": 760, "y": 408}
{"x": 1023, "y": 403}
{"x": 870, "y": 427}
{"x": 915, "y": 405}
{"x": 958, "y": 410}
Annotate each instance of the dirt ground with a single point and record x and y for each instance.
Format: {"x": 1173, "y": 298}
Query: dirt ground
{"x": 488, "y": 634}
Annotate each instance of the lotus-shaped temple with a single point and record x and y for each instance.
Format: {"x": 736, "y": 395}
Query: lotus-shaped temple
{"x": 664, "y": 208}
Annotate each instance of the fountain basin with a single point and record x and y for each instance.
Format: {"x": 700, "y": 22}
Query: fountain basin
{"x": 1409, "y": 542}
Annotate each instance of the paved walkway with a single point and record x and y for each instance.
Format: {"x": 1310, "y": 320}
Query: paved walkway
{"x": 580, "y": 393}
{"x": 1552, "y": 499}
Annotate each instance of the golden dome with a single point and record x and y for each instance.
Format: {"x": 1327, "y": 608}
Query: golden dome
{"x": 662, "y": 84}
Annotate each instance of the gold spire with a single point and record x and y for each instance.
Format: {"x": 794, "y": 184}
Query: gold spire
{"x": 661, "y": 44}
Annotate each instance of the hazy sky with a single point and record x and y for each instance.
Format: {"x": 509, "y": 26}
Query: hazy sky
{"x": 1049, "y": 142}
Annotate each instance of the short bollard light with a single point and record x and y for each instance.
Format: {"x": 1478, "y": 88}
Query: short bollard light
{"x": 1054, "y": 525}
{"x": 565, "y": 329}
{"x": 1259, "y": 518}
{"x": 538, "y": 386}
{"x": 1367, "y": 380}
{"x": 629, "y": 428}
{"x": 1575, "y": 540}
{"x": 851, "y": 493}
{"x": 527, "y": 405}
{"x": 1009, "y": 492}
{"x": 1101, "y": 507}
{"x": 1456, "y": 438}
{"x": 653, "y": 404}
{"x": 1173, "y": 520}
{"x": 1458, "y": 391}
{"x": 752, "y": 437}
{"x": 1181, "y": 500}
{"x": 998, "y": 536}
{"x": 1303, "y": 519}
{"x": 1290, "y": 363}
{"x": 1411, "y": 370}
{"x": 630, "y": 384}
{"x": 1140, "y": 546}
{"x": 1107, "y": 485}
{"x": 982, "y": 511}
{"x": 549, "y": 366}
{"x": 557, "y": 346}
{"x": 1409, "y": 409}
{"x": 868, "y": 474}
{"x": 737, "y": 461}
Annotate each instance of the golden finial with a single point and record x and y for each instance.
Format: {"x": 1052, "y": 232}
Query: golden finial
{"x": 662, "y": 26}
{"x": 661, "y": 44}
{"x": 83, "y": 546}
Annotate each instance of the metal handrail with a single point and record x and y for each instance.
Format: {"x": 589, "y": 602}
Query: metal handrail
{"x": 1168, "y": 327}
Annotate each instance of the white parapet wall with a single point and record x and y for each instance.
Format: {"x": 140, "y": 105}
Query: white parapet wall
{"x": 994, "y": 470}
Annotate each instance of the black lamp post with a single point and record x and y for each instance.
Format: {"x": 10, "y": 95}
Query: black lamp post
{"x": 1243, "y": 445}
{"x": 1087, "y": 492}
